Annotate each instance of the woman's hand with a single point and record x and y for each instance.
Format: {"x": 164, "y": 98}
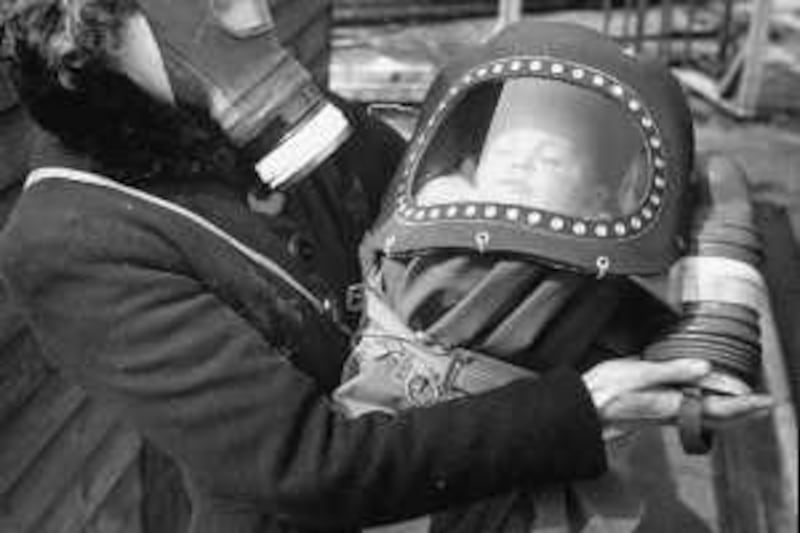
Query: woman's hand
{"x": 630, "y": 393}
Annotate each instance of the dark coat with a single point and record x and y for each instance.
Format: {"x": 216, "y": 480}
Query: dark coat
{"x": 225, "y": 367}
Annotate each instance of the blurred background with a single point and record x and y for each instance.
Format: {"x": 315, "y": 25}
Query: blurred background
{"x": 68, "y": 466}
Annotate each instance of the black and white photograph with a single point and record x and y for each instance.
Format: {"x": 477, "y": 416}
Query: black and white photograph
{"x": 399, "y": 266}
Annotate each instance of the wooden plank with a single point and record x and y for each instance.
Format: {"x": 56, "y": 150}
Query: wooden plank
{"x": 508, "y": 12}
{"x": 675, "y": 489}
{"x": 364, "y": 74}
{"x": 709, "y": 89}
{"x": 756, "y": 462}
{"x": 62, "y": 461}
{"x": 382, "y": 11}
{"x": 24, "y": 437}
{"x": 752, "y": 484}
{"x": 738, "y": 91}
{"x": 667, "y": 26}
{"x": 737, "y": 497}
{"x": 88, "y": 492}
{"x": 754, "y": 54}
{"x": 782, "y": 271}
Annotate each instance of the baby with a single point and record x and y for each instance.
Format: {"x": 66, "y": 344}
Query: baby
{"x": 546, "y": 176}
{"x": 529, "y": 186}
{"x": 522, "y": 163}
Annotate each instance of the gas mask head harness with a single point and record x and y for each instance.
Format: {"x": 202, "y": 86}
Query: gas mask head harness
{"x": 553, "y": 143}
{"x": 224, "y": 56}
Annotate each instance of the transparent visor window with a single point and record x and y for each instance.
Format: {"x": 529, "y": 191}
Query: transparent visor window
{"x": 540, "y": 144}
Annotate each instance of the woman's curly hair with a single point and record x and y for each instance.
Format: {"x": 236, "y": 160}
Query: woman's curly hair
{"x": 66, "y": 36}
{"x": 62, "y": 52}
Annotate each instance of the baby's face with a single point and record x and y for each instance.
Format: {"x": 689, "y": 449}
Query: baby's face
{"x": 530, "y": 167}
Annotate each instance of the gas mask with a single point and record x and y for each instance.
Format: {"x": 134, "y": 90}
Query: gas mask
{"x": 224, "y": 56}
{"x": 554, "y": 145}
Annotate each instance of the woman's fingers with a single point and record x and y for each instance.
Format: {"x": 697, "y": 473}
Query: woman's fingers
{"x": 654, "y": 405}
{"x": 661, "y": 406}
{"x": 720, "y": 409}
{"x": 646, "y": 374}
{"x": 630, "y": 393}
{"x": 611, "y": 379}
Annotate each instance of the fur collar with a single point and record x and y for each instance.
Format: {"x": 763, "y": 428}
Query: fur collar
{"x": 130, "y": 136}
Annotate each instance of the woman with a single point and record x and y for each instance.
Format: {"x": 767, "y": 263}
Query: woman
{"x": 220, "y": 336}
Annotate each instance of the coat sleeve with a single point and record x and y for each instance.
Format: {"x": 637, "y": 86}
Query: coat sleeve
{"x": 126, "y": 318}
